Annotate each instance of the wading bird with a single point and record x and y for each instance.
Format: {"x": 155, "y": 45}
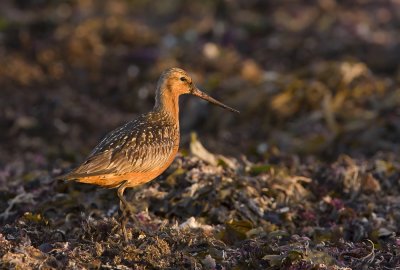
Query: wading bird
{"x": 143, "y": 148}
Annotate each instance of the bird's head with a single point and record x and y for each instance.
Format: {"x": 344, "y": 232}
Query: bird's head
{"x": 177, "y": 82}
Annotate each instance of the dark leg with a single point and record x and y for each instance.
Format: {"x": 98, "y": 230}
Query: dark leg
{"x": 125, "y": 208}
{"x": 123, "y": 203}
{"x": 128, "y": 211}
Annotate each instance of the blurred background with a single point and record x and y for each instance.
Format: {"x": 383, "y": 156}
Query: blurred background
{"x": 316, "y": 146}
{"x": 310, "y": 77}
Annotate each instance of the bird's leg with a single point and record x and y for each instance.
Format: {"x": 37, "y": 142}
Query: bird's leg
{"x": 124, "y": 204}
{"x": 126, "y": 209}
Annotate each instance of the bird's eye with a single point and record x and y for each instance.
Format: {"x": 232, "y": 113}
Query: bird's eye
{"x": 183, "y": 79}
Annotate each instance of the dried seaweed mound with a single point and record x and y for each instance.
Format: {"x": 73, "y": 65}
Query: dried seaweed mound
{"x": 281, "y": 214}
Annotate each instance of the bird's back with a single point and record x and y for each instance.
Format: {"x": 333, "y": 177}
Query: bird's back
{"x": 137, "y": 152}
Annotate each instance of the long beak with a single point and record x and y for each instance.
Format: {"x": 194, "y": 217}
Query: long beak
{"x": 196, "y": 91}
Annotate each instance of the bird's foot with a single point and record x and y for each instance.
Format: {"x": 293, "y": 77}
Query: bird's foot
{"x": 139, "y": 225}
{"x": 129, "y": 213}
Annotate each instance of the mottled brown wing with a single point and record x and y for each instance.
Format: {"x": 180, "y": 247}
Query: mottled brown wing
{"x": 138, "y": 146}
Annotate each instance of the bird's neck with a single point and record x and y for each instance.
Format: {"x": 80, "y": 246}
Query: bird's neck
{"x": 168, "y": 102}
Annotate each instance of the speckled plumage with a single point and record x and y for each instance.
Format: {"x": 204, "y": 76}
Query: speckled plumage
{"x": 143, "y": 145}
{"x": 142, "y": 149}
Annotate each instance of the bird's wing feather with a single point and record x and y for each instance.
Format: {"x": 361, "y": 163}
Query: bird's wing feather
{"x": 133, "y": 147}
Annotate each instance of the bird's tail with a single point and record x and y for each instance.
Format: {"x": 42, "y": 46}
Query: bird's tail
{"x": 66, "y": 176}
